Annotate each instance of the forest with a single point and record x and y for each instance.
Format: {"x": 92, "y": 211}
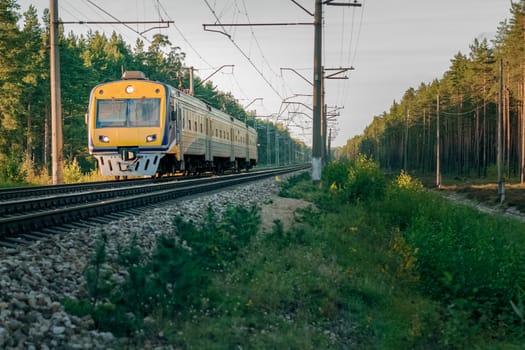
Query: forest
{"x": 85, "y": 61}
{"x": 459, "y": 113}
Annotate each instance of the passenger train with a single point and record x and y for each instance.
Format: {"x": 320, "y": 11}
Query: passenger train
{"x": 139, "y": 127}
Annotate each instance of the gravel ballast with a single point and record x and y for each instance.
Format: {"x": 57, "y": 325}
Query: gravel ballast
{"x": 35, "y": 279}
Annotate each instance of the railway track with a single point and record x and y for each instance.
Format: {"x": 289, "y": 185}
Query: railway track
{"x": 35, "y": 214}
{"x": 7, "y": 194}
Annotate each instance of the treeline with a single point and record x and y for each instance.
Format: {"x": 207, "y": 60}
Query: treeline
{"x": 466, "y": 103}
{"x": 85, "y": 61}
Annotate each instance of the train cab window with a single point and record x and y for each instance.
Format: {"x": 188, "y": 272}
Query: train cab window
{"x": 118, "y": 113}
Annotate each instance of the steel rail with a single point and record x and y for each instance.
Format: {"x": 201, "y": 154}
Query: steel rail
{"x": 14, "y": 225}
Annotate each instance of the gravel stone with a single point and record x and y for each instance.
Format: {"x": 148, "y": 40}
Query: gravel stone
{"x": 35, "y": 279}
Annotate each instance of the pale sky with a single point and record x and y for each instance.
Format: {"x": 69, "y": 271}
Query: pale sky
{"x": 393, "y": 45}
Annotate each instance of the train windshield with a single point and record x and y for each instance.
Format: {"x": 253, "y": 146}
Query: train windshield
{"x": 122, "y": 113}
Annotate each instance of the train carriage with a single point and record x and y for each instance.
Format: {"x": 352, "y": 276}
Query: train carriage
{"x": 138, "y": 127}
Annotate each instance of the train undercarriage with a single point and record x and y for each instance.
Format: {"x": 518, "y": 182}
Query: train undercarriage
{"x": 196, "y": 165}
{"x": 124, "y": 165}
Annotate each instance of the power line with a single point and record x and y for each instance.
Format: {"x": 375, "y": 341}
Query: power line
{"x": 78, "y": 14}
{"x": 184, "y": 37}
{"x": 255, "y": 39}
{"x": 352, "y": 52}
{"x": 119, "y": 21}
{"x": 351, "y": 62}
{"x": 241, "y": 51}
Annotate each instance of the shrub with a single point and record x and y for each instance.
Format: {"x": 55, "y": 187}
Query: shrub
{"x": 335, "y": 175}
{"x": 405, "y": 200}
{"x": 405, "y": 181}
{"x": 12, "y": 169}
{"x": 218, "y": 242}
{"x": 72, "y": 172}
{"x": 366, "y": 180}
{"x": 176, "y": 276}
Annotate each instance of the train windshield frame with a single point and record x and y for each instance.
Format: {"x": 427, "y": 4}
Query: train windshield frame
{"x": 128, "y": 113}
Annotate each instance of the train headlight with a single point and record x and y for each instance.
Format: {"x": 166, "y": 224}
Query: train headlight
{"x": 103, "y": 138}
{"x": 130, "y": 89}
{"x": 151, "y": 138}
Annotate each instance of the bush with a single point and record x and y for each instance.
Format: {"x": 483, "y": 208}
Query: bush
{"x": 335, "y": 175}
{"x": 405, "y": 200}
{"x": 366, "y": 181}
{"x": 72, "y": 172}
{"x": 405, "y": 181}
{"x": 12, "y": 169}
{"x": 218, "y": 242}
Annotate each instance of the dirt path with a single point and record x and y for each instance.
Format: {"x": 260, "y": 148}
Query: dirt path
{"x": 485, "y": 200}
{"x": 282, "y": 209}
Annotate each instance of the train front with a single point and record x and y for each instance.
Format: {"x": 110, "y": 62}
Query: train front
{"x": 128, "y": 126}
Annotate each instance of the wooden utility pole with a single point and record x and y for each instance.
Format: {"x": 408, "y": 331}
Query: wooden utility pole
{"x": 522, "y": 126}
{"x": 501, "y": 183}
{"x": 328, "y": 153}
{"x": 192, "y": 92}
{"x": 56, "y": 99}
{"x": 405, "y": 146}
{"x": 317, "y": 138}
{"x": 438, "y": 150}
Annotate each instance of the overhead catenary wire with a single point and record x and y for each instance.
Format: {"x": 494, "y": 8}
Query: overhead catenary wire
{"x": 80, "y": 16}
{"x": 119, "y": 21}
{"x": 257, "y": 41}
{"x": 352, "y": 48}
{"x": 242, "y": 52}
{"x": 188, "y": 42}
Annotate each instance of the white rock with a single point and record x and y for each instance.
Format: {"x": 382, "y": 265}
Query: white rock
{"x": 58, "y": 330}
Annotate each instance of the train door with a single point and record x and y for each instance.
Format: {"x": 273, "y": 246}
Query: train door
{"x": 179, "y": 124}
{"x": 208, "y": 156}
{"x": 247, "y": 146}
{"x": 172, "y": 120}
{"x": 232, "y": 146}
{"x": 179, "y": 136}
